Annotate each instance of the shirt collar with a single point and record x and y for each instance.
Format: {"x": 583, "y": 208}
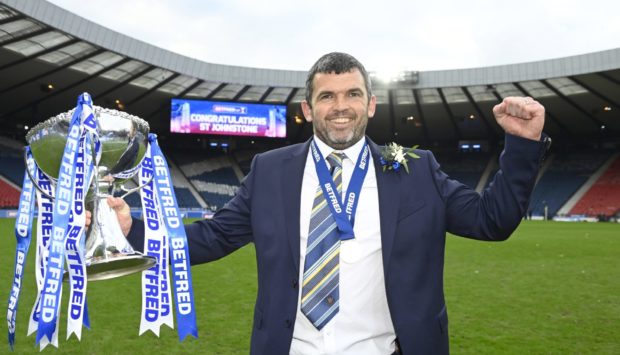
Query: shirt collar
{"x": 352, "y": 152}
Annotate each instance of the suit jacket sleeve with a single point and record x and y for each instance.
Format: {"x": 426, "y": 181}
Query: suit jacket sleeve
{"x": 496, "y": 212}
{"x": 211, "y": 239}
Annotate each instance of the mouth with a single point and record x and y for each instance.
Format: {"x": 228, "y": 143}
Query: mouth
{"x": 341, "y": 120}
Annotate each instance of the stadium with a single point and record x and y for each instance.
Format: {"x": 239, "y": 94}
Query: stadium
{"x": 48, "y": 56}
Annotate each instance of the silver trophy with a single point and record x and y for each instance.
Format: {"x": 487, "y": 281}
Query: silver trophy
{"x": 124, "y": 139}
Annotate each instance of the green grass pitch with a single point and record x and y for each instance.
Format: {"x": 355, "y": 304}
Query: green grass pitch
{"x": 553, "y": 288}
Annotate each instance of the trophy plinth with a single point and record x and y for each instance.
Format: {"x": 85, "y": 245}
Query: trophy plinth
{"x": 124, "y": 140}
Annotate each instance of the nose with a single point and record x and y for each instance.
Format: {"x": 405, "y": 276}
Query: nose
{"x": 340, "y": 103}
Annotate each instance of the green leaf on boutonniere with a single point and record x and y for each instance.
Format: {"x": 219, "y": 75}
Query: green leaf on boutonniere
{"x": 393, "y": 156}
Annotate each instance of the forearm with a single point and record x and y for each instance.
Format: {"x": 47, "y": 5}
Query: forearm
{"x": 497, "y": 212}
{"x": 211, "y": 239}
{"x": 206, "y": 241}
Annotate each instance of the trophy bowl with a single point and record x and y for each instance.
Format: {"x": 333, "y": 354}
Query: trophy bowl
{"x": 124, "y": 140}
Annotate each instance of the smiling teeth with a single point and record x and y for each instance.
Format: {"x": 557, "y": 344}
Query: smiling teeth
{"x": 341, "y": 120}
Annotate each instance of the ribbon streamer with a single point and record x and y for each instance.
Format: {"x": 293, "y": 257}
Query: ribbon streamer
{"x": 75, "y": 240}
{"x": 156, "y": 307}
{"x": 64, "y": 198}
{"x": 23, "y": 226}
{"x": 177, "y": 240}
{"x": 45, "y": 223}
{"x": 74, "y": 252}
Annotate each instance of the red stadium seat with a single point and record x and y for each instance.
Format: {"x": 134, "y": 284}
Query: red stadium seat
{"x": 603, "y": 198}
{"x": 9, "y": 196}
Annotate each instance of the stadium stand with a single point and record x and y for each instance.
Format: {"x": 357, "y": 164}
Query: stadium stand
{"x": 464, "y": 167}
{"x": 42, "y": 45}
{"x": 603, "y": 198}
{"x": 244, "y": 160}
{"x": 185, "y": 198}
{"x": 11, "y": 144}
{"x": 12, "y": 168}
{"x": 565, "y": 174}
{"x": 12, "y": 160}
{"x": 214, "y": 177}
{"x": 9, "y": 195}
{"x": 182, "y": 188}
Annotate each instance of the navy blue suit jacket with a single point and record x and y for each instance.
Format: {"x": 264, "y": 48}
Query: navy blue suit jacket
{"x": 416, "y": 210}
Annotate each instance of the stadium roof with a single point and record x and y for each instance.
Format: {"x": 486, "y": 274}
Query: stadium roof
{"x": 49, "y": 55}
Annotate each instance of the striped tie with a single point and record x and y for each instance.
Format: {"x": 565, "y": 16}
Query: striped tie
{"x": 319, "y": 294}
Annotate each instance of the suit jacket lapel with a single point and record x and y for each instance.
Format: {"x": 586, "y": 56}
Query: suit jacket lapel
{"x": 388, "y": 183}
{"x": 293, "y": 170}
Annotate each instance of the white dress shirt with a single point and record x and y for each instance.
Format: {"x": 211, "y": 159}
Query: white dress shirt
{"x": 363, "y": 324}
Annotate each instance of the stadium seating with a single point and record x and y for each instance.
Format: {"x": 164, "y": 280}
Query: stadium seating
{"x": 566, "y": 173}
{"x": 185, "y": 199}
{"x": 603, "y": 198}
{"x": 216, "y": 175}
{"x": 213, "y": 177}
{"x": 244, "y": 159}
{"x": 12, "y": 168}
{"x": 464, "y": 167}
{"x": 12, "y": 145}
{"x": 216, "y": 187}
{"x": 12, "y": 161}
{"x": 9, "y": 196}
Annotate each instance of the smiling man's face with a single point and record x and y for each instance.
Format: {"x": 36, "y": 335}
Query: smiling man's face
{"x": 340, "y": 108}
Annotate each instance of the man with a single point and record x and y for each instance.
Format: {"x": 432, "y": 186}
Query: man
{"x": 380, "y": 285}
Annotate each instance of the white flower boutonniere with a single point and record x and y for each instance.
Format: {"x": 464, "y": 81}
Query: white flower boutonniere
{"x": 393, "y": 156}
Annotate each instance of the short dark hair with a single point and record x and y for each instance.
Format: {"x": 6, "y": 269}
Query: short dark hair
{"x": 338, "y": 63}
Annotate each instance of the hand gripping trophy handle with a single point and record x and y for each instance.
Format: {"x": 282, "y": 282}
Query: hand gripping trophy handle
{"x": 123, "y": 138}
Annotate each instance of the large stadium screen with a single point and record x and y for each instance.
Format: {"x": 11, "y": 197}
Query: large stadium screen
{"x": 227, "y": 118}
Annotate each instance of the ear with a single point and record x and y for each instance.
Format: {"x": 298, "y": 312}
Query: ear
{"x": 307, "y": 110}
{"x": 372, "y": 106}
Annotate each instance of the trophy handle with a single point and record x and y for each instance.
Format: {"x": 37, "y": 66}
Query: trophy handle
{"x": 34, "y": 181}
{"x": 130, "y": 191}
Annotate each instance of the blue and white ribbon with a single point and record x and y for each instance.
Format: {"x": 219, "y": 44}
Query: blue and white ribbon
{"x": 165, "y": 308}
{"x": 45, "y": 223}
{"x": 156, "y": 298}
{"x": 23, "y": 226}
{"x": 64, "y": 197}
{"x": 343, "y": 213}
{"x": 179, "y": 253}
{"x": 73, "y": 241}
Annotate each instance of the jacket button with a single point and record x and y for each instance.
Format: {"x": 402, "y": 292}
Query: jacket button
{"x": 288, "y": 323}
{"x": 294, "y": 283}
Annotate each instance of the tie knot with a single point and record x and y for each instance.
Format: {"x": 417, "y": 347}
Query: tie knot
{"x": 335, "y": 159}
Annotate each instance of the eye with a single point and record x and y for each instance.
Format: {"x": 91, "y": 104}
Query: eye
{"x": 325, "y": 96}
{"x": 355, "y": 94}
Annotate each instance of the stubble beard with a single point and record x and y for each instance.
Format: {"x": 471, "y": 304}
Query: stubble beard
{"x": 341, "y": 143}
{"x": 336, "y": 140}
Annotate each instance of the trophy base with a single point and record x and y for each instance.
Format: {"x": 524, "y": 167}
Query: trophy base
{"x": 116, "y": 265}
{"x": 111, "y": 266}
